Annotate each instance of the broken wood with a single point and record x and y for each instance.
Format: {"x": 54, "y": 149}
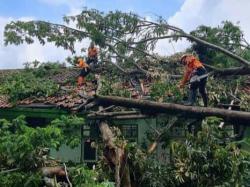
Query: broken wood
{"x": 66, "y": 173}
{"x": 9, "y": 170}
{"x": 158, "y": 139}
{"x": 173, "y": 109}
{"x": 104, "y": 109}
{"x": 89, "y": 106}
{"x": 230, "y": 107}
{"x": 115, "y": 155}
{"x": 232, "y": 71}
{"x": 53, "y": 171}
{"x": 111, "y": 114}
{"x": 136, "y": 116}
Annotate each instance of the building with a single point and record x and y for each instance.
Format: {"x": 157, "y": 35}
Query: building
{"x": 134, "y": 124}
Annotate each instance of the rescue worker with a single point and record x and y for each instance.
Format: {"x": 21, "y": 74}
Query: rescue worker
{"x": 83, "y": 73}
{"x": 194, "y": 67}
{"x": 92, "y": 54}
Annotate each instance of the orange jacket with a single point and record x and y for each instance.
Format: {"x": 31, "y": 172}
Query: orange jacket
{"x": 82, "y": 63}
{"x": 191, "y": 63}
{"x": 92, "y": 52}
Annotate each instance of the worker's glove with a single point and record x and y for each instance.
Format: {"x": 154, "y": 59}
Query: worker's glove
{"x": 180, "y": 86}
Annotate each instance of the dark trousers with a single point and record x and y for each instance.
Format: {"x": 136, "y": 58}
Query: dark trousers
{"x": 201, "y": 85}
{"x": 84, "y": 72}
{"x": 91, "y": 60}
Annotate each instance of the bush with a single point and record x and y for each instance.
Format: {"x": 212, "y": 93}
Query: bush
{"x": 25, "y": 84}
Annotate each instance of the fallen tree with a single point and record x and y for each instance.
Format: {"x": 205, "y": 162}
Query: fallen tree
{"x": 173, "y": 109}
{"x": 126, "y": 39}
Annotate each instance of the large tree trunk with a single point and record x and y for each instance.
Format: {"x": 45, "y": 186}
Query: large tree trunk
{"x": 173, "y": 109}
{"x": 115, "y": 155}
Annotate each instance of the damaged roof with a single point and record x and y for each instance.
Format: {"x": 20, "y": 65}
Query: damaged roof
{"x": 69, "y": 96}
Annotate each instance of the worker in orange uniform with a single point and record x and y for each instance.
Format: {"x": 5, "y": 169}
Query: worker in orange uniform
{"x": 194, "y": 67}
{"x": 92, "y": 54}
{"x": 84, "y": 71}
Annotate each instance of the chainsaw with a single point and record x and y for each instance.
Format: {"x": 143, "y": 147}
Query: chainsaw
{"x": 197, "y": 78}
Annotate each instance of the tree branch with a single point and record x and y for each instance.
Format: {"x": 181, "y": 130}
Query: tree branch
{"x": 196, "y": 39}
{"x": 66, "y": 173}
{"x": 173, "y": 109}
{"x": 216, "y": 47}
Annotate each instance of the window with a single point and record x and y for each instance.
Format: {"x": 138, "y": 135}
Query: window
{"x": 89, "y": 151}
{"x": 37, "y": 122}
{"x": 130, "y": 132}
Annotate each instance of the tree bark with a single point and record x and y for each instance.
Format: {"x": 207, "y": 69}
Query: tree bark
{"x": 218, "y": 48}
{"x": 243, "y": 70}
{"x": 179, "y": 33}
{"x": 111, "y": 114}
{"x": 232, "y": 71}
{"x": 173, "y": 109}
{"x": 158, "y": 139}
{"x": 115, "y": 155}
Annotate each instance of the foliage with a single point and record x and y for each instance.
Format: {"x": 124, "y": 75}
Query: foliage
{"x": 42, "y": 69}
{"x": 228, "y": 36}
{"x": 22, "y": 146}
{"x": 165, "y": 92}
{"x": 221, "y": 94}
{"x": 47, "y": 69}
{"x": 225, "y": 90}
{"x": 114, "y": 32}
{"x": 71, "y": 128}
{"x": 110, "y": 87}
{"x": 81, "y": 176}
{"x": 20, "y": 179}
{"x": 157, "y": 174}
{"x": 25, "y": 148}
{"x": 207, "y": 160}
{"x": 21, "y": 85}
{"x": 73, "y": 60}
{"x": 147, "y": 171}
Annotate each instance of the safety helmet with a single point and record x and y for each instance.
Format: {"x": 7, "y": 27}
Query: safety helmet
{"x": 183, "y": 57}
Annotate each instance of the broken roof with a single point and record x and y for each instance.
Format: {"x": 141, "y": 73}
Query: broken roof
{"x": 71, "y": 98}
{"x": 68, "y": 97}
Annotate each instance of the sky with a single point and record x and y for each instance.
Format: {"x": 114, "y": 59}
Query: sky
{"x": 187, "y": 14}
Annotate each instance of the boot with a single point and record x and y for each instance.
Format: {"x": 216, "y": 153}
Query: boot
{"x": 205, "y": 99}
